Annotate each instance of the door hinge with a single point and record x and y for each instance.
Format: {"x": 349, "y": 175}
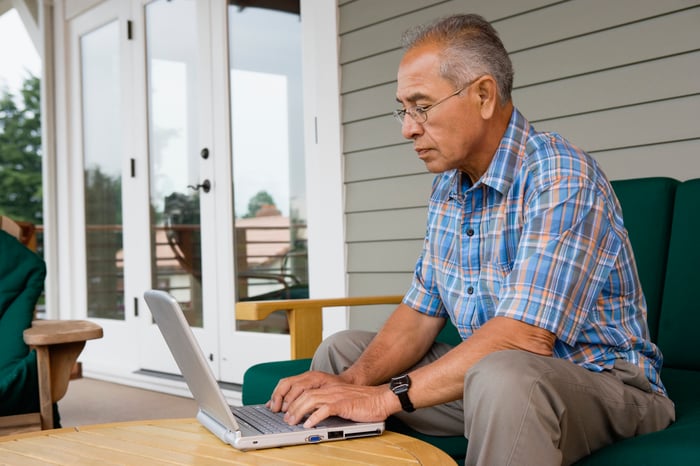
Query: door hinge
{"x": 129, "y": 29}
{"x": 133, "y": 168}
{"x": 136, "y": 307}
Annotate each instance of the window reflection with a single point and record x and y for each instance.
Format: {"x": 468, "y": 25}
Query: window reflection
{"x": 171, "y": 51}
{"x": 102, "y": 158}
{"x": 268, "y": 156}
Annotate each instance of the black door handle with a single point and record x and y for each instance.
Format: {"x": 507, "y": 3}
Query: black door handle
{"x": 204, "y": 186}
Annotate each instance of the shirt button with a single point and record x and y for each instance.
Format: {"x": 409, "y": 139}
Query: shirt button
{"x": 470, "y": 290}
{"x": 470, "y": 232}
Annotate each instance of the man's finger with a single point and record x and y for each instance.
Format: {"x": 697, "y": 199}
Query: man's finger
{"x": 317, "y": 416}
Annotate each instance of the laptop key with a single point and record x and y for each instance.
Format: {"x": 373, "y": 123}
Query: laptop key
{"x": 264, "y": 420}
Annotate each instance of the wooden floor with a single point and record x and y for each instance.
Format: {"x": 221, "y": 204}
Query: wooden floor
{"x": 90, "y": 401}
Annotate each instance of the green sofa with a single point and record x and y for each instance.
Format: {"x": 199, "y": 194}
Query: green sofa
{"x": 662, "y": 217}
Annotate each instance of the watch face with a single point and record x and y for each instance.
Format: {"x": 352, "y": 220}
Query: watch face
{"x": 400, "y": 384}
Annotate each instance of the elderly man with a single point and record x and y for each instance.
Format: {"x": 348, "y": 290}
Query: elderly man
{"x": 526, "y": 253}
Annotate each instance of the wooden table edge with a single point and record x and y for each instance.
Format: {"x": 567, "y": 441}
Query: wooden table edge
{"x": 421, "y": 450}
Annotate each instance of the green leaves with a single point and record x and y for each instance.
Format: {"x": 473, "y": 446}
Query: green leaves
{"x": 20, "y": 153}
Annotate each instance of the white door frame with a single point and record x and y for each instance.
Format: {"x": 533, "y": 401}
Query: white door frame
{"x": 327, "y": 263}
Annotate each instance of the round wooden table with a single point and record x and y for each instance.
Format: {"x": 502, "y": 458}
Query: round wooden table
{"x": 185, "y": 441}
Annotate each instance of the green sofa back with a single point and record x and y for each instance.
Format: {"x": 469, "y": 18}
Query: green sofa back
{"x": 647, "y": 208}
{"x": 680, "y": 311}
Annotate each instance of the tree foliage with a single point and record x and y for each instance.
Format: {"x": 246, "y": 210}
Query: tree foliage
{"x": 20, "y": 153}
{"x": 262, "y": 198}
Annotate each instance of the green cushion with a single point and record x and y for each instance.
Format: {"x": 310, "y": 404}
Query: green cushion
{"x": 261, "y": 379}
{"x": 680, "y": 312}
{"x": 449, "y": 335}
{"x": 649, "y": 234}
{"x": 679, "y": 444}
{"x": 22, "y": 282}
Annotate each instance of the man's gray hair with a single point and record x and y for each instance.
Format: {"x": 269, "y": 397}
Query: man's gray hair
{"x": 472, "y": 48}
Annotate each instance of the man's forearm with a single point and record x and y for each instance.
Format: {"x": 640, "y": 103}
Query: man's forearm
{"x": 443, "y": 380}
{"x": 403, "y": 340}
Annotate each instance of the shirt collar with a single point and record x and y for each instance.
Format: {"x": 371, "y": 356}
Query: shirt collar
{"x": 509, "y": 154}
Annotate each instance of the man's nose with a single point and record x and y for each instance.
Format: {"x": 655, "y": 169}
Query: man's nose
{"x": 410, "y": 129}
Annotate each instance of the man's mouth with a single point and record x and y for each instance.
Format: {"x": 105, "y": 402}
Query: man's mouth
{"x": 422, "y": 151}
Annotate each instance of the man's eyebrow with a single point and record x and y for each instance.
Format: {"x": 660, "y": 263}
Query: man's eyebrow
{"x": 413, "y": 98}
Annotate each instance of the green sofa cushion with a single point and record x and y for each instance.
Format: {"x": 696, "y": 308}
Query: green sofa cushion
{"x": 261, "y": 379}
{"x": 22, "y": 275}
{"x": 680, "y": 312}
{"x": 649, "y": 234}
{"x": 679, "y": 444}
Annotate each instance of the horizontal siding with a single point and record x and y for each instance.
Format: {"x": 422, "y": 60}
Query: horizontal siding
{"x": 383, "y": 256}
{"x": 371, "y": 133}
{"x": 383, "y": 162}
{"x": 658, "y": 37}
{"x": 371, "y": 318}
{"x": 631, "y": 126}
{"x": 380, "y": 283}
{"x": 371, "y": 102}
{"x": 379, "y": 36}
{"x": 370, "y": 72}
{"x": 677, "y": 160}
{"x": 360, "y": 14}
{"x": 386, "y": 225}
{"x": 582, "y": 93}
{"x": 576, "y": 18}
{"x": 388, "y": 193}
{"x": 613, "y": 88}
{"x": 620, "y": 79}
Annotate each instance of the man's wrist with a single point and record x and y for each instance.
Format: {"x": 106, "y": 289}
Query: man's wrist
{"x": 400, "y": 386}
{"x": 350, "y": 378}
{"x": 391, "y": 401}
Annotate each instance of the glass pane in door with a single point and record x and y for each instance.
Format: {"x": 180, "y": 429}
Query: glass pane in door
{"x": 171, "y": 50}
{"x": 268, "y": 155}
{"x": 102, "y": 160}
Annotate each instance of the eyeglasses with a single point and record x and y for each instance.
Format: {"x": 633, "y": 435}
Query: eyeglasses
{"x": 419, "y": 113}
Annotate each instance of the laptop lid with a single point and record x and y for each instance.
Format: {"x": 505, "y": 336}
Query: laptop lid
{"x": 188, "y": 355}
{"x": 214, "y": 412}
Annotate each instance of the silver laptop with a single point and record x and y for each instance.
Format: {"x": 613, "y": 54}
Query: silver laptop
{"x": 245, "y": 427}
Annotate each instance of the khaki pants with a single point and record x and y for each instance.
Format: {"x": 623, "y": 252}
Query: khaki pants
{"x": 521, "y": 408}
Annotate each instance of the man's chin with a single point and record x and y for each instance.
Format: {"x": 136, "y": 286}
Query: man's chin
{"x": 434, "y": 167}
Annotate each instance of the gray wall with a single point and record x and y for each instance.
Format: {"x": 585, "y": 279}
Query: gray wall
{"x": 620, "y": 78}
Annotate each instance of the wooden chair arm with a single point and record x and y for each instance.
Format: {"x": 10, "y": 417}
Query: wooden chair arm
{"x": 305, "y": 317}
{"x": 58, "y": 344}
{"x": 51, "y": 332}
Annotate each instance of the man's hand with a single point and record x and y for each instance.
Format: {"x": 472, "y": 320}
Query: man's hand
{"x": 290, "y": 388}
{"x": 355, "y": 402}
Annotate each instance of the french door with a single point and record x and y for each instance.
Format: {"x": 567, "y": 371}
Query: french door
{"x": 191, "y": 138}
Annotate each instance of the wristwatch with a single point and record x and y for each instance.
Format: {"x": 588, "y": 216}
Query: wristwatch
{"x": 400, "y": 385}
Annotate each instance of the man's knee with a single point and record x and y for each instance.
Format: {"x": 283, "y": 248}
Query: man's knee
{"x": 340, "y": 350}
{"x": 504, "y": 375}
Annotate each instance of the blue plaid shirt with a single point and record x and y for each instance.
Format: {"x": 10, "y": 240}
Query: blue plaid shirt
{"x": 540, "y": 239}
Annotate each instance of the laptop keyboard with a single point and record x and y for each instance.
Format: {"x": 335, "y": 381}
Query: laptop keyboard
{"x": 264, "y": 420}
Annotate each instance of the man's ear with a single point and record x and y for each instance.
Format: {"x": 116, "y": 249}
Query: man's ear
{"x": 487, "y": 90}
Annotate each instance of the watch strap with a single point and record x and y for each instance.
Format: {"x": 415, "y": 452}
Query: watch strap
{"x": 400, "y": 385}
